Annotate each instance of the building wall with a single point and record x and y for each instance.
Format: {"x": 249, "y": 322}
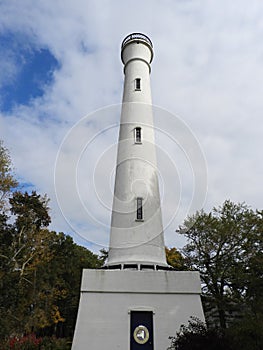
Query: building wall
{"x": 132, "y": 240}
{"x": 107, "y": 297}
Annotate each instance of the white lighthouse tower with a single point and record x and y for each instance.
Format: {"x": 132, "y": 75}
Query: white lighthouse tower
{"x": 136, "y": 301}
{"x": 136, "y": 228}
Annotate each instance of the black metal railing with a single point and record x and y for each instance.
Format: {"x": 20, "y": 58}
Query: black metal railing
{"x": 135, "y": 36}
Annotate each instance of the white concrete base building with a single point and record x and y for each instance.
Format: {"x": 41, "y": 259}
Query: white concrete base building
{"x": 136, "y": 302}
{"x": 114, "y": 303}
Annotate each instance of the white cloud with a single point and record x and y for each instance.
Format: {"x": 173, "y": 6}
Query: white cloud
{"x": 207, "y": 69}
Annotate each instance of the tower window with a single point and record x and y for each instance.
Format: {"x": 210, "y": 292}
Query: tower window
{"x": 138, "y": 135}
{"x": 137, "y": 84}
{"x": 139, "y": 212}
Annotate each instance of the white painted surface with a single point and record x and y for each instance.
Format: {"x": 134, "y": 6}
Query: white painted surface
{"x": 107, "y": 297}
{"x": 134, "y": 241}
{"x": 151, "y": 282}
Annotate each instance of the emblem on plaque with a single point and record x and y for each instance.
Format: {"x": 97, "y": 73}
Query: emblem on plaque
{"x": 141, "y": 334}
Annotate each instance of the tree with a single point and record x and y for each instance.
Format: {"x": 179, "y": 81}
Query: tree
{"x": 40, "y": 270}
{"x": 176, "y": 260}
{"x": 31, "y": 210}
{"x": 61, "y": 279}
{"x": 104, "y": 253}
{"x": 26, "y": 246}
{"x": 7, "y": 180}
{"x": 196, "y": 336}
{"x": 40, "y": 282}
{"x": 244, "y": 335}
{"x": 223, "y": 246}
{"x": 30, "y": 240}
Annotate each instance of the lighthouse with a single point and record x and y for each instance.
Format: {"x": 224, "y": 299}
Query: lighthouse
{"x": 136, "y": 236}
{"x": 136, "y": 301}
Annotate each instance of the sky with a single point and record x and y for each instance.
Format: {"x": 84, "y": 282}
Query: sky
{"x": 61, "y": 81}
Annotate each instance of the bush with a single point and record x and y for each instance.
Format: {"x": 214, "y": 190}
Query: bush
{"x": 196, "y": 336}
{"x": 55, "y": 344}
{"x": 247, "y": 334}
{"x": 31, "y": 342}
{"x": 27, "y": 342}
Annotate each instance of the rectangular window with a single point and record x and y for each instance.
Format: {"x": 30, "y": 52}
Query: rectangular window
{"x": 139, "y": 212}
{"x": 137, "y": 84}
{"x": 138, "y": 135}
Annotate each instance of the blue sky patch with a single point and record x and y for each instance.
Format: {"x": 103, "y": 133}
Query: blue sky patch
{"x": 25, "y": 186}
{"x": 34, "y": 70}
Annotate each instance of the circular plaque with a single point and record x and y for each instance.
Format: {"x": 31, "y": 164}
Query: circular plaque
{"x": 141, "y": 334}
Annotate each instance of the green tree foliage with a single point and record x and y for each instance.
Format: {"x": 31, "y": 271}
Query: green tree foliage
{"x": 247, "y": 333}
{"x": 41, "y": 275}
{"x": 176, "y": 260}
{"x": 40, "y": 270}
{"x": 7, "y": 180}
{"x": 226, "y": 247}
{"x": 104, "y": 253}
{"x": 244, "y": 335}
{"x": 31, "y": 210}
{"x": 195, "y": 336}
{"x": 59, "y": 282}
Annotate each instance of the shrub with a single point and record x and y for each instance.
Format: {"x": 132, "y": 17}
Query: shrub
{"x": 196, "y": 336}
{"x": 31, "y": 342}
{"x": 27, "y": 342}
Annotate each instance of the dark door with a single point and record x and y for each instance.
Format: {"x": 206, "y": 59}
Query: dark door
{"x": 141, "y": 330}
